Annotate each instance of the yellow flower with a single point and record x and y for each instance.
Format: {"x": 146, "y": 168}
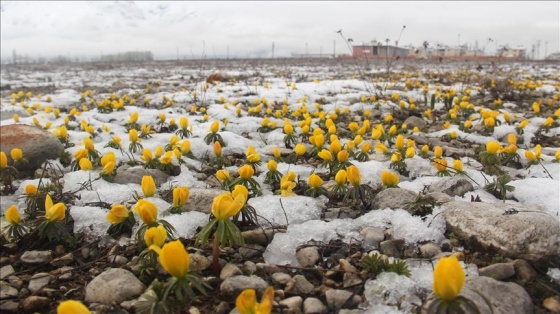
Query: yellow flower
{"x": 82, "y": 153}
{"x": 246, "y": 172}
{"x": 246, "y": 302}
{"x": 341, "y": 177}
{"x": 410, "y": 152}
{"x": 252, "y": 155}
{"x": 88, "y": 144}
{"x": 286, "y": 187}
{"x": 440, "y": 164}
{"x": 288, "y": 129}
{"x": 180, "y": 196}
{"x": 523, "y": 124}
{"x": 15, "y": 117}
{"x": 107, "y": 158}
{"x": 3, "y": 160}
{"x": 72, "y": 307}
{"x": 12, "y": 215}
{"x": 185, "y": 147}
{"x": 342, "y": 156}
{"x": 146, "y": 155}
{"x": 108, "y": 168}
{"x": 215, "y": 126}
{"x": 381, "y": 147}
{"x": 183, "y": 122}
{"x": 389, "y": 179}
{"x": 300, "y": 149}
{"x": 557, "y": 155}
{"x": 325, "y": 155}
{"x": 225, "y": 206}
{"x": 155, "y": 236}
{"x": 167, "y": 158}
{"x": 315, "y": 181}
{"x": 133, "y": 135}
{"x": 175, "y": 259}
{"x": 133, "y": 117}
{"x": 17, "y": 154}
{"x": 158, "y": 151}
{"x": 148, "y": 186}
{"x": 117, "y": 214}
{"x": 272, "y": 165}
{"x": 538, "y": 149}
{"x": 438, "y": 152}
{"x": 335, "y": 147}
{"x": 276, "y": 153}
{"x": 365, "y": 148}
{"x": 492, "y": 147}
{"x": 354, "y": 176}
{"x": 147, "y": 211}
{"x": 31, "y": 189}
{"x": 55, "y": 212}
{"x": 240, "y": 190}
{"x": 530, "y": 156}
{"x": 457, "y": 165}
{"x": 399, "y": 142}
{"x": 222, "y": 175}
{"x": 512, "y": 139}
{"x": 217, "y": 149}
{"x": 85, "y": 164}
{"x": 449, "y": 278}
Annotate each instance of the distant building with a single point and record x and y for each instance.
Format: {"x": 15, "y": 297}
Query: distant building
{"x": 373, "y": 50}
{"x": 519, "y": 52}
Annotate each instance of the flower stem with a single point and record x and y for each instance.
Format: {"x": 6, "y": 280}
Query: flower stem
{"x": 215, "y": 255}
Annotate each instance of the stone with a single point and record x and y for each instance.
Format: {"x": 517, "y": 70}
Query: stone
{"x": 452, "y": 186}
{"x": 392, "y": 248}
{"x": 38, "y": 281}
{"x": 529, "y": 234}
{"x": 233, "y": 286}
{"x": 498, "y": 271}
{"x": 15, "y": 282}
{"x": 413, "y": 121}
{"x": 35, "y": 303}
{"x": 308, "y": 256}
{"x": 199, "y": 262}
{"x": 200, "y": 200}
{"x": 293, "y": 304}
{"x": 65, "y": 273}
{"x": 37, "y": 145}
{"x": 281, "y": 278}
{"x": 6, "y": 271}
{"x": 36, "y": 257}
{"x": 250, "y": 251}
{"x": 117, "y": 259}
{"x": 9, "y": 306}
{"x": 63, "y": 260}
{"x": 249, "y": 268}
{"x": 314, "y": 306}
{"x": 351, "y": 280}
{"x": 114, "y": 285}
{"x": 552, "y": 304}
{"x": 505, "y": 297}
{"x": 7, "y": 291}
{"x": 524, "y": 271}
{"x": 393, "y": 198}
{"x": 439, "y": 198}
{"x": 299, "y": 285}
{"x": 258, "y": 236}
{"x": 127, "y": 174}
{"x": 230, "y": 270}
{"x": 429, "y": 250}
{"x": 373, "y": 234}
{"x": 337, "y": 299}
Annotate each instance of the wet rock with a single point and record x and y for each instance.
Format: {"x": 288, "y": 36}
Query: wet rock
{"x": 36, "y": 257}
{"x": 6, "y": 271}
{"x": 299, "y": 285}
{"x": 338, "y": 299}
{"x": 114, "y": 285}
{"x": 454, "y": 186}
{"x": 127, "y": 174}
{"x": 200, "y": 200}
{"x": 230, "y": 270}
{"x": 499, "y": 271}
{"x": 35, "y": 303}
{"x": 293, "y": 304}
{"x": 38, "y": 281}
{"x": 524, "y": 271}
{"x": 314, "y": 306}
{"x": 529, "y": 234}
{"x": 308, "y": 257}
{"x": 37, "y": 145}
{"x": 393, "y": 198}
{"x": 233, "y": 286}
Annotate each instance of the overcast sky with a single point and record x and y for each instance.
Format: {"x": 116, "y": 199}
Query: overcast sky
{"x": 248, "y": 29}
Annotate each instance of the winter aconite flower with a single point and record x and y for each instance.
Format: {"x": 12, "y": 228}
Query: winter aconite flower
{"x": 225, "y": 205}
{"x": 155, "y": 236}
{"x": 12, "y": 215}
{"x": 449, "y": 278}
{"x": 174, "y": 259}
{"x": 17, "y": 154}
{"x": 148, "y": 186}
{"x": 180, "y": 196}
{"x": 354, "y": 176}
{"x": 246, "y": 172}
{"x": 117, "y": 214}
{"x": 147, "y": 211}
{"x": 72, "y": 307}
{"x": 389, "y": 179}
{"x": 246, "y": 302}
{"x": 54, "y": 212}
{"x": 492, "y": 147}
{"x": 3, "y": 161}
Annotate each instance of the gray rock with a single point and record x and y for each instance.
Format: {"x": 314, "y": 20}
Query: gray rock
{"x": 127, "y": 174}
{"x": 258, "y": 236}
{"x": 308, "y": 256}
{"x": 299, "y": 285}
{"x": 392, "y": 248}
{"x": 337, "y": 299}
{"x": 414, "y": 121}
{"x": 281, "y": 278}
{"x": 233, "y": 286}
{"x": 249, "y": 268}
{"x": 63, "y": 260}
{"x": 117, "y": 259}
{"x": 524, "y": 271}
{"x": 38, "y": 281}
{"x": 200, "y": 200}
{"x": 114, "y": 285}
{"x": 393, "y": 198}
{"x": 36, "y": 257}
{"x": 505, "y": 297}
{"x": 39, "y": 145}
{"x": 498, "y": 271}
{"x": 35, "y": 303}
{"x": 439, "y": 198}
{"x": 372, "y": 237}
{"x": 429, "y": 250}
{"x": 230, "y": 270}
{"x": 15, "y": 282}
{"x": 66, "y": 273}
{"x": 293, "y": 304}
{"x": 250, "y": 251}
{"x": 7, "y": 291}
{"x": 530, "y": 234}
{"x": 314, "y": 306}
{"x": 199, "y": 262}
{"x": 9, "y": 306}
{"x": 453, "y": 186}
{"x": 6, "y": 271}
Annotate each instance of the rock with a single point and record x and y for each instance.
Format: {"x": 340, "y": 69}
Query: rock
{"x": 9, "y": 306}
{"x": 38, "y": 281}
{"x": 314, "y": 306}
{"x": 249, "y": 268}
{"x": 127, "y": 174}
{"x": 117, "y": 259}
{"x": 337, "y": 299}
{"x": 200, "y": 200}
{"x": 230, "y": 270}
{"x": 429, "y": 250}
{"x": 552, "y": 304}
{"x": 281, "y": 278}
{"x": 392, "y": 248}
{"x": 37, "y": 145}
{"x": 216, "y": 77}
{"x": 341, "y": 213}
{"x": 6, "y": 271}
{"x": 453, "y": 186}
{"x": 36, "y": 257}
{"x": 15, "y": 282}
{"x": 413, "y": 121}
{"x": 299, "y": 285}
{"x": 7, "y": 291}
{"x": 393, "y": 198}
{"x": 233, "y": 286}
{"x": 505, "y": 297}
{"x": 499, "y": 271}
{"x": 372, "y": 237}
{"x": 250, "y": 251}
{"x": 258, "y": 236}
{"x": 113, "y": 285}
{"x": 66, "y": 273}
{"x": 524, "y": 271}
{"x": 308, "y": 256}
{"x": 63, "y": 260}
{"x": 293, "y": 304}
{"x": 199, "y": 262}
{"x": 35, "y": 303}
{"x": 530, "y": 234}
{"x": 439, "y": 198}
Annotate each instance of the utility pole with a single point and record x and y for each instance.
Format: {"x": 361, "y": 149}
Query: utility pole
{"x": 334, "y": 48}
{"x": 272, "y": 50}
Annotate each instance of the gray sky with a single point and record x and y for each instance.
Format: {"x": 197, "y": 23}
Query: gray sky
{"x": 50, "y": 28}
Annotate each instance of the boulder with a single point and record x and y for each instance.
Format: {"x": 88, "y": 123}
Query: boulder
{"x": 453, "y": 186}
{"x": 393, "y": 198}
{"x": 126, "y": 174}
{"x": 200, "y": 200}
{"x": 114, "y": 285}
